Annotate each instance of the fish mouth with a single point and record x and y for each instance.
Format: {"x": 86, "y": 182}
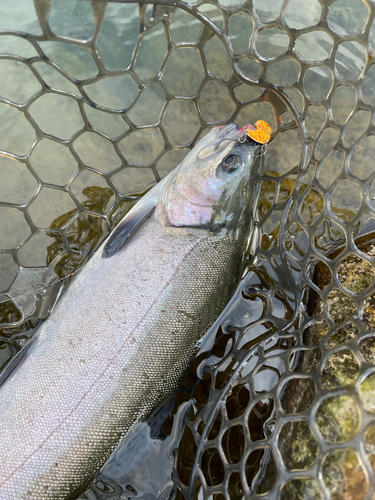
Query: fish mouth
{"x": 232, "y": 132}
{"x": 225, "y": 134}
{"x": 224, "y": 130}
{"x": 239, "y": 133}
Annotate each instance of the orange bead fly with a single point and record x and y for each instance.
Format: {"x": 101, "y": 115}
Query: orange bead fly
{"x": 262, "y": 133}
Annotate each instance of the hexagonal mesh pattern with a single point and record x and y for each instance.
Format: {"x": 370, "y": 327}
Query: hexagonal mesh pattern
{"x": 98, "y": 102}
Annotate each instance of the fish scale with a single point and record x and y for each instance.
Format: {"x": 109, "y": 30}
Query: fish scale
{"x": 125, "y": 355}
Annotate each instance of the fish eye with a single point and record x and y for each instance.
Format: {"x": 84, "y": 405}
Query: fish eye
{"x": 231, "y": 162}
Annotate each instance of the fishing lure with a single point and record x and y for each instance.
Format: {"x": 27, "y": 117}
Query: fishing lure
{"x": 262, "y": 134}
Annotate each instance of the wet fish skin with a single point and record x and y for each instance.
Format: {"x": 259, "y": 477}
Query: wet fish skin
{"x": 126, "y": 329}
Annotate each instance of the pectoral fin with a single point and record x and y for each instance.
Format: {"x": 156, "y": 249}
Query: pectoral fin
{"x": 127, "y": 228}
{"x": 15, "y": 362}
{"x": 134, "y": 220}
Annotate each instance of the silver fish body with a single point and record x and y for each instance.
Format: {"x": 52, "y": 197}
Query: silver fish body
{"x": 120, "y": 338}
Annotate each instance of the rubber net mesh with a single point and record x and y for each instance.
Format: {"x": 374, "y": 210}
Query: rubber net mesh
{"x": 98, "y": 102}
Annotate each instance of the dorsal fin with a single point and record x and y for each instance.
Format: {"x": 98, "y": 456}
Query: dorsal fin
{"x": 127, "y": 229}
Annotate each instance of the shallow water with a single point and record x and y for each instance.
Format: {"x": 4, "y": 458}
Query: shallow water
{"x": 75, "y": 158}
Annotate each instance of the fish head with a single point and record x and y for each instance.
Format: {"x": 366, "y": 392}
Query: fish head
{"x": 213, "y": 186}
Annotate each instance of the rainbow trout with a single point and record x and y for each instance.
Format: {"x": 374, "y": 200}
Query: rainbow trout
{"x": 124, "y": 332}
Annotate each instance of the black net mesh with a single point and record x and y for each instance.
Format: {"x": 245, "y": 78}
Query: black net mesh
{"x": 99, "y": 101}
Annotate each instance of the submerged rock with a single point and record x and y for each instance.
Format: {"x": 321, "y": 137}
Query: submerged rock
{"x": 342, "y": 315}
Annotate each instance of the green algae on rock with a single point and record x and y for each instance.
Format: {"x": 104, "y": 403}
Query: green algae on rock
{"x": 369, "y": 442}
{"x": 338, "y": 419}
{"x": 344, "y": 475}
{"x": 356, "y": 275}
{"x": 297, "y": 395}
{"x": 339, "y": 322}
{"x": 340, "y": 369}
{"x": 297, "y": 445}
{"x": 366, "y": 391}
{"x": 305, "y": 488}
